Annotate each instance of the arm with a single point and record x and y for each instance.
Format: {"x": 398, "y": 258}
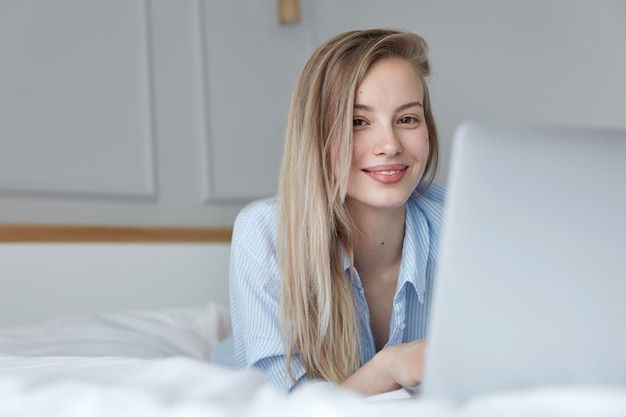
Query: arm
{"x": 390, "y": 369}
{"x": 255, "y": 284}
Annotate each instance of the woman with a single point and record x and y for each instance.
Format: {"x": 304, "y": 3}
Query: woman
{"x": 332, "y": 279}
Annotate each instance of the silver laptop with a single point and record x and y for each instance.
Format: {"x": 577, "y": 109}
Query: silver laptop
{"x": 531, "y": 286}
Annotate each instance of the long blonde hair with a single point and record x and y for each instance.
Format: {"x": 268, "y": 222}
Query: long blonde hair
{"x": 320, "y": 323}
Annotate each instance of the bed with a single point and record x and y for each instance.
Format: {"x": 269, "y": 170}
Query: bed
{"x": 105, "y": 321}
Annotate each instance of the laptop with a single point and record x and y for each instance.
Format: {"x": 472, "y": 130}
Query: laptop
{"x": 531, "y": 284}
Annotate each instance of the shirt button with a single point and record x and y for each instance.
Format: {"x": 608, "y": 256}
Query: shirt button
{"x": 402, "y": 326}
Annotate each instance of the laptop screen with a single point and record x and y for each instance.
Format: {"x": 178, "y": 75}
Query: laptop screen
{"x": 531, "y": 282}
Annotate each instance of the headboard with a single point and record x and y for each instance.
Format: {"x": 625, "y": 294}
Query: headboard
{"x": 52, "y": 270}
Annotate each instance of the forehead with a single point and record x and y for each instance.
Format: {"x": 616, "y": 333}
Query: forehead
{"x": 391, "y": 79}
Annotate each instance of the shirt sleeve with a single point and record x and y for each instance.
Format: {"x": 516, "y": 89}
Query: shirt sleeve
{"x": 255, "y": 286}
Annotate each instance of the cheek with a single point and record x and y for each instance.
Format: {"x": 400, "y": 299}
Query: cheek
{"x": 358, "y": 150}
{"x": 419, "y": 145}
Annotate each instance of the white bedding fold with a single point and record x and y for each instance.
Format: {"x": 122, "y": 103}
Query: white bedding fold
{"x": 62, "y": 386}
{"x": 177, "y": 386}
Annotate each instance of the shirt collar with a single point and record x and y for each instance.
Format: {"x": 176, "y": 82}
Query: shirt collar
{"x": 414, "y": 257}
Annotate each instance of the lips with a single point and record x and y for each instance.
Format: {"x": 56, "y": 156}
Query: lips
{"x": 386, "y": 174}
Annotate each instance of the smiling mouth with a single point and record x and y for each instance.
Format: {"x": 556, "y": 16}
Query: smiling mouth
{"x": 389, "y": 170}
{"x": 395, "y": 171}
{"x": 387, "y": 174}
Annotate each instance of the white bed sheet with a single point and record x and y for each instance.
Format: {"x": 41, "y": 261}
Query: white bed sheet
{"x": 156, "y": 364}
{"x": 74, "y": 386}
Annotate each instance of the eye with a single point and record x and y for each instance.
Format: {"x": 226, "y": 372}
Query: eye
{"x": 358, "y": 122}
{"x": 408, "y": 120}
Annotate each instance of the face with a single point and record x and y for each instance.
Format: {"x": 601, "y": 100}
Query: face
{"x": 390, "y": 137}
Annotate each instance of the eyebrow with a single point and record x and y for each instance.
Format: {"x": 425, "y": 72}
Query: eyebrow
{"x": 402, "y": 107}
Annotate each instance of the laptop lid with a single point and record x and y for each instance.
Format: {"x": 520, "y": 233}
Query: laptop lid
{"x": 531, "y": 284}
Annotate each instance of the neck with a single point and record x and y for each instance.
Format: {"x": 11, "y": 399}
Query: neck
{"x": 381, "y": 235}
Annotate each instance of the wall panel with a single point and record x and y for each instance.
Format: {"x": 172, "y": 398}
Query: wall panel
{"x": 253, "y": 64}
{"x": 75, "y": 100}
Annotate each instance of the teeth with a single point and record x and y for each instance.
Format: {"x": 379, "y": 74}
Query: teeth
{"x": 388, "y": 172}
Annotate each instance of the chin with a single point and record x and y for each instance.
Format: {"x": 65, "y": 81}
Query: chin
{"x": 388, "y": 203}
{"x": 380, "y": 198}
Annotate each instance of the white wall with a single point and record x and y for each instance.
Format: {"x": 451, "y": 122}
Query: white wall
{"x": 163, "y": 112}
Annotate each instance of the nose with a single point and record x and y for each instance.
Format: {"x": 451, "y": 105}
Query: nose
{"x": 387, "y": 142}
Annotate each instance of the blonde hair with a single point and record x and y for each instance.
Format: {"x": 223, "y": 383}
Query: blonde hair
{"x": 320, "y": 323}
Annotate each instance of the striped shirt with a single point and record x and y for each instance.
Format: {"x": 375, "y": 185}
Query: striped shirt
{"x": 255, "y": 286}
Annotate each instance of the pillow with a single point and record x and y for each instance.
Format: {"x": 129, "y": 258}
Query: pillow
{"x": 191, "y": 332}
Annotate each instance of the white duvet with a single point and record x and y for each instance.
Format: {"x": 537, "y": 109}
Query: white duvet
{"x": 156, "y": 364}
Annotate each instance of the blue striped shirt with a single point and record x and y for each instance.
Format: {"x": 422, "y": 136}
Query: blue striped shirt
{"x": 255, "y": 286}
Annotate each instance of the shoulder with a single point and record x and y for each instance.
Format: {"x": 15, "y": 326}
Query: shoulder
{"x": 255, "y": 227}
{"x": 257, "y": 215}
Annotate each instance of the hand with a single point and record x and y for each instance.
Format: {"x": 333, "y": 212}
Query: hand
{"x": 405, "y": 362}
{"x": 393, "y": 367}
